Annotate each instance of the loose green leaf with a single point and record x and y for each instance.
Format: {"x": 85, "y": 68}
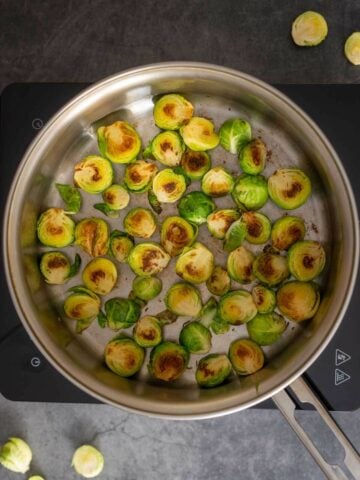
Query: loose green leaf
{"x": 154, "y": 202}
{"x": 102, "y": 319}
{"x": 71, "y": 197}
{"x": 74, "y": 268}
{"x": 83, "y": 324}
{"x": 106, "y": 210}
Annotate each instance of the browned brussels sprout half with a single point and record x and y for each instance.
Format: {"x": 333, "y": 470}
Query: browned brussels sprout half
{"x": 196, "y": 207}
{"x": 213, "y": 370}
{"x": 219, "y": 281}
{"x": 147, "y": 259}
{"x": 167, "y": 148}
{"x": 124, "y": 356}
{"x": 217, "y": 182}
{"x": 171, "y": 111}
{"x": 176, "y": 234}
{"x": 298, "y": 300}
{"x": 115, "y": 197}
{"x": 289, "y": 188}
{"x": 168, "y": 186}
{"x": 195, "y": 164}
{"x": 195, "y": 264}
{"x": 55, "y": 228}
{"x": 258, "y": 227}
{"x": 139, "y": 175}
{"x": 100, "y": 276}
{"x": 148, "y": 332}
{"x": 56, "y": 267}
{"x": 195, "y": 338}
{"x": 119, "y": 142}
{"x": 252, "y": 158}
{"x": 239, "y": 265}
{"x": 270, "y": 268}
{"x": 71, "y": 197}
{"x": 93, "y": 174}
{"x": 237, "y": 307}
{"x": 234, "y": 134}
{"x": 199, "y": 134}
{"x": 146, "y": 288}
{"x": 286, "y": 231}
{"x": 140, "y": 222}
{"x": 306, "y": 260}
{"x": 219, "y": 221}
{"x": 168, "y": 361}
{"x": 266, "y": 328}
{"x": 92, "y": 235}
{"x": 82, "y": 304}
{"x": 264, "y": 298}
{"x": 183, "y": 299}
{"x": 250, "y": 191}
{"x": 246, "y": 356}
{"x": 121, "y": 245}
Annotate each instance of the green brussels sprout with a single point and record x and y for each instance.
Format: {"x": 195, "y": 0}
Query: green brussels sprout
{"x": 219, "y": 281}
{"x": 154, "y": 202}
{"x": 121, "y": 312}
{"x": 168, "y": 361}
{"x": 121, "y": 245}
{"x": 147, "y": 259}
{"x": 217, "y": 182}
{"x": 208, "y": 312}
{"x": 119, "y": 142}
{"x": 219, "y": 222}
{"x": 116, "y": 197}
{"x": 199, "y": 134}
{"x": 176, "y": 234}
{"x": 266, "y": 328}
{"x": 196, "y": 207}
{"x": 171, "y": 111}
{"x": 252, "y": 158}
{"x": 298, "y": 300}
{"x": 258, "y": 227}
{"x": 88, "y": 461}
{"x": 250, "y": 192}
{"x": 235, "y": 235}
{"x": 239, "y": 265}
{"x": 16, "y": 455}
{"x": 82, "y": 304}
{"x": 195, "y": 264}
{"x": 166, "y": 317}
{"x": 148, "y": 332}
{"x": 234, "y": 134}
{"x": 55, "y": 228}
{"x": 146, "y": 288}
{"x": 289, "y": 188}
{"x": 306, "y": 260}
{"x": 168, "y": 186}
{"x": 213, "y": 370}
{"x": 124, "y": 356}
{"x": 195, "y": 338}
{"x": 56, "y": 267}
{"x": 270, "y": 268}
{"x": 71, "y": 197}
{"x": 100, "y": 276}
{"x": 237, "y": 307}
{"x": 195, "y": 164}
{"x": 92, "y": 235}
{"x": 36, "y": 477}
{"x": 286, "y": 231}
{"x": 264, "y": 298}
{"x": 309, "y": 29}
{"x": 93, "y": 174}
{"x": 140, "y": 222}
{"x": 183, "y": 299}
{"x": 139, "y": 175}
{"x": 167, "y": 147}
{"x": 246, "y": 356}
{"x": 352, "y": 48}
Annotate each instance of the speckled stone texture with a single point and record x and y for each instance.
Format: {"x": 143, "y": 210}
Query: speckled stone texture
{"x": 84, "y": 42}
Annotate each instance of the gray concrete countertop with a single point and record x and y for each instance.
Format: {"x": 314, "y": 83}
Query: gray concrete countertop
{"x": 70, "y": 41}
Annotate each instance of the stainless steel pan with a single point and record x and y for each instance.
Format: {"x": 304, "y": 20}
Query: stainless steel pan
{"x": 293, "y": 139}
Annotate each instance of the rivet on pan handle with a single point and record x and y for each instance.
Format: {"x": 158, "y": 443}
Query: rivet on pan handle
{"x": 306, "y": 395}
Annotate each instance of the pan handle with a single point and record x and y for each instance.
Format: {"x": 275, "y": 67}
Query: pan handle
{"x": 287, "y": 407}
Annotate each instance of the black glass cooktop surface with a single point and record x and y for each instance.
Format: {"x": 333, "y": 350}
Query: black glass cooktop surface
{"x": 25, "y": 373}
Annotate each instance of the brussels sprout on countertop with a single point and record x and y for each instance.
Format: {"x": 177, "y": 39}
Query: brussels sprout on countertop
{"x": 176, "y": 234}
{"x": 266, "y": 328}
{"x": 93, "y": 174}
{"x": 217, "y": 182}
{"x": 120, "y": 245}
{"x": 234, "y": 134}
{"x": 183, "y": 299}
{"x": 195, "y": 338}
{"x": 264, "y": 298}
{"x": 124, "y": 356}
{"x": 250, "y": 192}
{"x": 246, "y": 356}
{"x": 237, "y": 307}
{"x": 213, "y": 370}
{"x": 270, "y": 268}
{"x": 139, "y": 175}
{"x": 168, "y": 186}
{"x": 119, "y": 142}
{"x": 286, "y": 231}
{"x": 71, "y": 197}
{"x": 87, "y": 461}
{"x": 171, "y": 111}
{"x": 55, "y": 228}
{"x": 252, "y": 158}
{"x": 168, "y": 361}
{"x": 92, "y": 235}
{"x": 196, "y": 207}
{"x": 219, "y": 281}
{"x": 16, "y": 455}
{"x": 146, "y": 288}
{"x": 289, "y": 188}
{"x": 352, "y": 48}
{"x": 195, "y": 264}
{"x": 298, "y": 301}
{"x": 56, "y": 267}
{"x": 199, "y": 134}
{"x": 309, "y": 29}
{"x": 148, "y": 332}
{"x": 140, "y": 222}
{"x": 148, "y": 258}
{"x": 195, "y": 164}
{"x": 306, "y": 260}
{"x": 219, "y": 221}
{"x": 167, "y": 147}
{"x": 100, "y": 276}
{"x": 239, "y": 265}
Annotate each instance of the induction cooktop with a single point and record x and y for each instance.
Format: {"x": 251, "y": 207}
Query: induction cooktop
{"x": 25, "y": 373}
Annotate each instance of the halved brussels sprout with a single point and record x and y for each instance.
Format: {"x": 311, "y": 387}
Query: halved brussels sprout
{"x": 213, "y": 370}
{"x": 219, "y": 221}
{"x": 100, "y": 276}
{"x": 147, "y": 259}
{"x": 195, "y": 164}
{"x": 258, "y": 227}
{"x": 237, "y": 307}
{"x": 168, "y": 361}
{"x": 298, "y": 300}
{"x": 195, "y": 264}
{"x": 195, "y": 338}
{"x": 246, "y": 356}
{"x": 16, "y": 455}
{"x": 217, "y": 182}
{"x": 250, "y": 192}
{"x": 264, "y": 298}
{"x": 56, "y": 267}
{"x": 116, "y": 197}
{"x": 289, "y": 188}
{"x": 270, "y": 268}
{"x": 55, "y": 228}
{"x": 121, "y": 245}
{"x": 139, "y": 175}
{"x": 352, "y": 48}
{"x": 167, "y": 148}
{"x": 306, "y": 260}
{"x": 71, "y": 197}
{"x": 36, "y": 477}
{"x": 183, "y": 299}
{"x": 309, "y": 29}
{"x": 140, "y": 222}
{"x": 87, "y": 461}
{"x": 146, "y": 288}
{"x": 199, "y": 134}
{"x": 92, "y": 235}
{"x": 235, "y": 235}
{"x": 252, "y": 158}
{"x": 196, "y": 207}
{"x": 121, "y": 312}
{"x": 93, "y": 174}
{"x": 119, "y": 142}
{"x": 234, "y": 134}
{"x": 219, "y": 281}
{"x": 176, "y": 234}
{"x": 286, "y": 231}
{"x": 82, "y": 305}
{"x": 148, "y": 332}
{"x": 266, "y": 328}
{"x": 124, "y": 356}
{"x": 166, "y": 317}
{"x": 239, "y": 265}
{"x": 168, "y": 186}
{"x": 171, "y": 111}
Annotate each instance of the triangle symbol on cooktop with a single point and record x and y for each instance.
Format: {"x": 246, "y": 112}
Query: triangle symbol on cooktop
{"x": 341, "y": 377}
{"x": 341, "y": 357}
